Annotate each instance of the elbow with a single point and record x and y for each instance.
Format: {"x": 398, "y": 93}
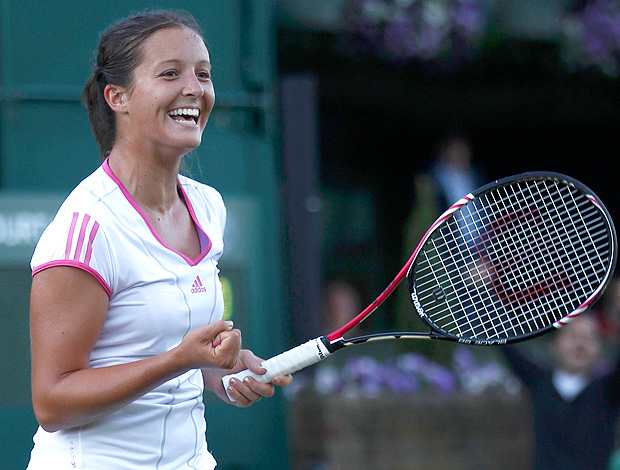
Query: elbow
{"x": 56, "y": 413}
{"x": 47, "y": 418}
{"x": 50, "y": 427}
{"x": 49, "y": 415}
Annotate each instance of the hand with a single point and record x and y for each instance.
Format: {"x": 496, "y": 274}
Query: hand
{"x": 249, "y": 391}
{"x": 214, "y": 345}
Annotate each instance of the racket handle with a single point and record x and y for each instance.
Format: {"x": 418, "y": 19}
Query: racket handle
{"x": 285, "y": 363}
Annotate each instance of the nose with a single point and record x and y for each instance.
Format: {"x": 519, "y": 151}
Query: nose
{"x": 193, "y": 87}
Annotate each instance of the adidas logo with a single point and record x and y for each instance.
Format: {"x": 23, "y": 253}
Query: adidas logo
{"x": 197, "y": 286}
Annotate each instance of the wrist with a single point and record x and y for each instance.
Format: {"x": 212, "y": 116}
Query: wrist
{"x": 177, "y": 361}
{"x": 212, "y": 379}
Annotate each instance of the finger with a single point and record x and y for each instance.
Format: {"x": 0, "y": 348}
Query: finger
{"x": 218, "y": 328}
{"x": 233, "y": 335}
{"x": 259, "y": 388}
{"x": 282, "y": 380}
{"x": 226, "y": 352}
{"x": 244, "y": 391}
{"x": 257, "y": 368}
{"x": 236, "y": 397}
{"x": 252, "y": 362}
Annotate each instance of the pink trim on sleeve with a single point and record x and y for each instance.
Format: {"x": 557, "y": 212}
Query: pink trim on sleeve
{"x": 74, "y": 264}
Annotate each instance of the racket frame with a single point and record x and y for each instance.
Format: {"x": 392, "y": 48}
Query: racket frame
{"x": 438, "y": 333}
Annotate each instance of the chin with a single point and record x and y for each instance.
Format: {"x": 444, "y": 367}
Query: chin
{"x": 188, "y": 145}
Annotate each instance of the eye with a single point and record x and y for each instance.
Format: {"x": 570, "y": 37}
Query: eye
{"x": 169, "y": 74}
{"x": 203, "y": 75}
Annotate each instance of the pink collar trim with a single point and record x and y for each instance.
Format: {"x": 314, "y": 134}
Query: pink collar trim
{"x": 130, "y": 199}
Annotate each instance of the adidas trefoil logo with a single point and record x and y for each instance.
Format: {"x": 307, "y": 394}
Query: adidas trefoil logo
{"x": 197, "y": 286}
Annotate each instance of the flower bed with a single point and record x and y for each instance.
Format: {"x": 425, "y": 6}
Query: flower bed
{"x": 421, "y": 431}
{"x": 408, "y": 412}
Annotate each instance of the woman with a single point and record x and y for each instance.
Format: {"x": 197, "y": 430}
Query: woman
{"x": 126, "y": 302}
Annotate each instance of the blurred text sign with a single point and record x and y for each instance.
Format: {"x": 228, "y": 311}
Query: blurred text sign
{"x": 23, "y": 217}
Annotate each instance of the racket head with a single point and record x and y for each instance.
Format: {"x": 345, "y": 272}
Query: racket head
{"x": 514, "y": 259}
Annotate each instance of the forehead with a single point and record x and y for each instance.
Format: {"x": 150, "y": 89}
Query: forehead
{"x": 175, "y": 43}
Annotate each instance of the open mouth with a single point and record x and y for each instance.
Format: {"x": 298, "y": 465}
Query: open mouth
{"x": 186, "y": 116}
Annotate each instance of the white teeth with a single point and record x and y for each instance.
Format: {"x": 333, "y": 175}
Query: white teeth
{"x": 184, "y": 112}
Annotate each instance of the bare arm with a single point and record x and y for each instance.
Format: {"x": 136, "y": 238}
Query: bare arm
{"x": 68, "y": 309}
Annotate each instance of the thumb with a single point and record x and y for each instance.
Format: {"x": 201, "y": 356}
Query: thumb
{"x": 252, "y": 362}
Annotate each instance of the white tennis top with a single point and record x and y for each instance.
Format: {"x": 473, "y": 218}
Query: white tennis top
{"x": 156, "y": 296}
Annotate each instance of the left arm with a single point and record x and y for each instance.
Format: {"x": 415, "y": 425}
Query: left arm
{"x": 249, "y": 391}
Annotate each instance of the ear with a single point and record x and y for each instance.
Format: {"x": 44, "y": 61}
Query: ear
{"x": 115, "y": 97}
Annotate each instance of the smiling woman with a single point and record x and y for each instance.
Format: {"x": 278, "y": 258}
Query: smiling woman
{"x": 126, "y": 300}
{"x": 123, "y": 46}
{"x": 172, "y": 81}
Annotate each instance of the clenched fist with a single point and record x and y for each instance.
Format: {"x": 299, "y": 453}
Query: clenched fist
{"x": 214, "y": 345}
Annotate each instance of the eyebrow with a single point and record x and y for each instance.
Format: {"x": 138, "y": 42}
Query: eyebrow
{"x": 177, "y": 61}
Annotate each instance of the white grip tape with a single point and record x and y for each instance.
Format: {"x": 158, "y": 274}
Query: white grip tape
{"x": 285, "y": 363}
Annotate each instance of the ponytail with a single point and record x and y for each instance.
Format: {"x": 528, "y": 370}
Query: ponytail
{"x": 101, "y": 117}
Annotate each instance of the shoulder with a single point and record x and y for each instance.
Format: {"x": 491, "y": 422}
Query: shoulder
{"x": 76, "y": 236}
{"x": 202, "y": 189}
{"x": 91, "y": 195}
{"x": 90, "y": 203}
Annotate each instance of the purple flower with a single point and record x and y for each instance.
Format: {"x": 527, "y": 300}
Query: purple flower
{"x": 400, "y": 383}
{"x": 411, "y": 363}
{"x": 469, "y": 19}
{"x": 327, "y": 379}
{"x": 593, "y": 36}
{"x": 440, "y": 377}
{"x": 406, "y": 374}
{"x": 402, "y": 30}
{"x": 365, "y": 373}
{"x": 401, "y": 375}
{"x": 464, "y": 360}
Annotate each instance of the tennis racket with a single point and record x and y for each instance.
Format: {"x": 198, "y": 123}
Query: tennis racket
{"x": 510, "y": 261}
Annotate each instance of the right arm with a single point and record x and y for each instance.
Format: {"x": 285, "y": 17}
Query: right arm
{"x": 68, "y": 308}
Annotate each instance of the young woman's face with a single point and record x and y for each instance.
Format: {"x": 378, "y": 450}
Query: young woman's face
{"x": 172, "y": 95}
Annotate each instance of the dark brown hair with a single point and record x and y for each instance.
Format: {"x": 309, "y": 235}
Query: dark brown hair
{"x": 118, "y": 54}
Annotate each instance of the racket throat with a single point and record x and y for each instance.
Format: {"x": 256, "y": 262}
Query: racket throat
{"x": 341, "y": 343}
{"x": 333, "y": 346}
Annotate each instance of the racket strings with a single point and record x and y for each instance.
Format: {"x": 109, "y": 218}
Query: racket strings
{"x": 558, "y": 281}
{"x": 556, "y": 252}
{"x": 478, "y": 306}
{"x": 552, "y": 246}
{"x": 504, "y": 264}
{"x": 526, "y": 256}
{"x": 507, "y": 259}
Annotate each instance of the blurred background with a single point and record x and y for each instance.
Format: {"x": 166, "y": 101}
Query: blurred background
{"x": 332, "y": 122}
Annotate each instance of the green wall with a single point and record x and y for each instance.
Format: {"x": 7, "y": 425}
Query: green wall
{"x": 46, "y": 148}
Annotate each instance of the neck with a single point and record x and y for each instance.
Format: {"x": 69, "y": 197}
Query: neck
{"x": 152, "y": 182}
